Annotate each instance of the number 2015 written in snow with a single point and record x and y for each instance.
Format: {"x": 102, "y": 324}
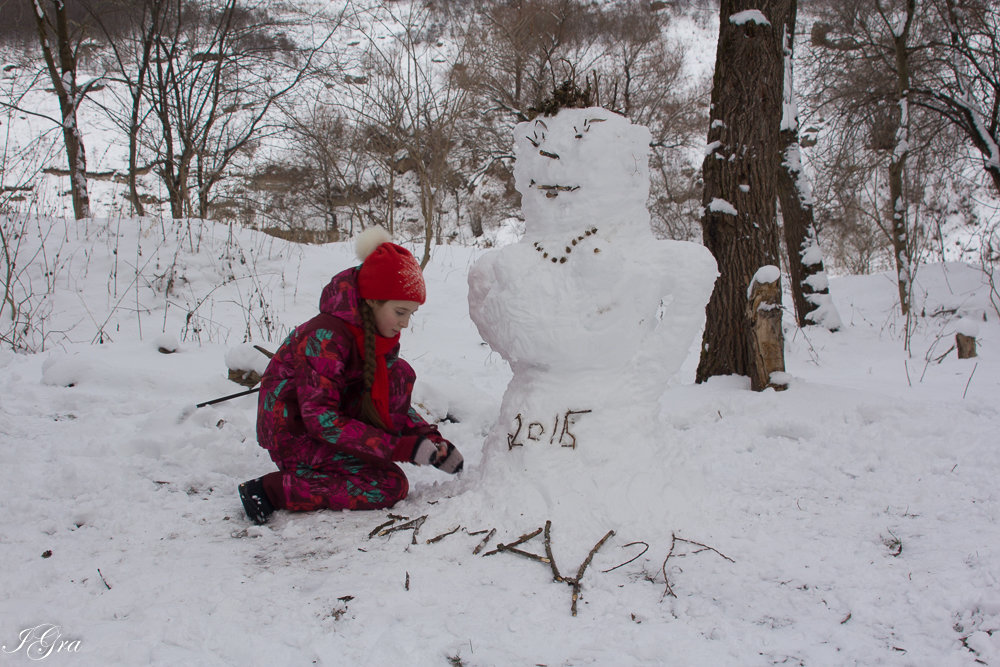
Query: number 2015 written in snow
{"x": 535, "y": 431}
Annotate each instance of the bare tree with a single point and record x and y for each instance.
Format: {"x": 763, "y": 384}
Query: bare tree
{"x": 60, "y": 40}
{"x": 414, "y": 113}
{"x": 641, "y": 75}
{"x": 217, "y": 71}
{"x": 31, "y": 252}
{"x": 876, "y": 53}
{"x": 529, "y": 47}
{"x": 964, "y": 87}
{"x": 341, "y": 176}
{"x": 899, "y": 21}
{"x": 740, "y": 170}
{"x": 22, "y": 156}
{"x": 130, "y": 29}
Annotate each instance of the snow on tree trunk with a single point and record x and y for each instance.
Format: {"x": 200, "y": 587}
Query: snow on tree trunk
{"x": 973, "y": 41}
{"x": 900, "y": 234}
{"x": 77, "y": 157}
{"x": 739, "y": 222}
{"x": 809, "y": 285}
{"x": 70, "y": 95}
{"x": 897, "y": 164}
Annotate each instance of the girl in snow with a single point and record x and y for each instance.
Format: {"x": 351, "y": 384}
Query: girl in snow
{"x": 334, "y": 406}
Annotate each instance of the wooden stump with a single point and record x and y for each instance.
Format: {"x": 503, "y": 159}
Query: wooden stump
{"x": 244, "y": 377}
{"x": 966, "y": 346}
{"x": 767, "y": 342}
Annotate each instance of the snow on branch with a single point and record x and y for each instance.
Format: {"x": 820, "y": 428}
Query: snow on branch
{"x": 721, "y": 206}
{"x": 749, "y": 16}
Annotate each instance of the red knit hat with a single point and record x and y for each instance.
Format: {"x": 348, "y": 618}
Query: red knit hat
{"x": 388, "y": 271}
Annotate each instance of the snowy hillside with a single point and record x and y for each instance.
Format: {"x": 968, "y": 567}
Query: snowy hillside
{"x": 852, "y": 519}
{"x": 272, "y": 182}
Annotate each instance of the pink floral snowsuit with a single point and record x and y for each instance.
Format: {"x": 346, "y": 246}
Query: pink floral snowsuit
{"x": 307, "y": 415}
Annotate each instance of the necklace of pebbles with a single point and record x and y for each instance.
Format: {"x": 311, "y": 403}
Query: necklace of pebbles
{"x": 561, "y": 259}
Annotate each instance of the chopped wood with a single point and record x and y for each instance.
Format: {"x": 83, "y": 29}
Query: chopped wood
{"x": 526, "y": 554}
{"x": 574, "y": 597}
{"x": 485, "y": 541}
{"x": 548, "y": 552}
{"x": 574, "y": 583}
{"x": 521, "y": 540}
{"x": 413, "y": 525}
{"x": 380, "y": 527}
{"x": 577, "y": 582}
{"x": 444, "y": 535}
{"x": 590, "y": 556}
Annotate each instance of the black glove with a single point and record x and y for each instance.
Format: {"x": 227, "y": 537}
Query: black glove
{"x": 442, "y": 455}
{"x": 425, "y": 452}
{"x": 449, "y": 461}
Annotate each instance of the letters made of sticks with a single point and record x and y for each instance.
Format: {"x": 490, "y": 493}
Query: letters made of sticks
{"x": 535, "y": 431}
{"x": 576, "y": 583}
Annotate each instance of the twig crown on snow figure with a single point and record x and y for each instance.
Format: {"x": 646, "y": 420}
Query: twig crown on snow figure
{"x": 388, "y": 271}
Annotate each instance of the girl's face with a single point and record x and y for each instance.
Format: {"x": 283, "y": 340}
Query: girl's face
{"x": 391, "y": 317}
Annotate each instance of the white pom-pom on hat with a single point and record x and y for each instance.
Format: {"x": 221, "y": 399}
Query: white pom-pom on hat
{"x": 370, "y": 239}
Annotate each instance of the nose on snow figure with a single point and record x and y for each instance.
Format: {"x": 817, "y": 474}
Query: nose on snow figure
{"x": 593, "y": 314}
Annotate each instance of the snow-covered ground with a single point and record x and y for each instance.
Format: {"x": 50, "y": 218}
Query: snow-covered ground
{"x": 852, "y": 519}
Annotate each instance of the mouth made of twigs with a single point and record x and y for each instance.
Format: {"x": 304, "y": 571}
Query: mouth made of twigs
{"x": 555, "y": 258}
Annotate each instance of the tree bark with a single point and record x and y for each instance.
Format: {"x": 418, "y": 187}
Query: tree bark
{"x": 63, "y": 77}
{"x": 809, "y": 287}
{"x": 897, "y": 163}
{"x": 767, "y": 339}
{"x": 739, "y": 222}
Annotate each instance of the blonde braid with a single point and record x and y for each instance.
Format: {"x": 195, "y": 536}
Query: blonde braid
{"x": 369, "y": 413}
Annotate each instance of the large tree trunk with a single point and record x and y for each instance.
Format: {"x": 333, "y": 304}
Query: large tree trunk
{"x": 739, "y": 223}
{"x": 809, "y": 286}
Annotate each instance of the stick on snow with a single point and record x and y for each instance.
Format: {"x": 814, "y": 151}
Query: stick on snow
{"x": 226, "y": 398}
{"x": 267, "y": 354}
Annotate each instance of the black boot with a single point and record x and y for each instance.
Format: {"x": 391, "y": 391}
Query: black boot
{"x": 255, "y": 501}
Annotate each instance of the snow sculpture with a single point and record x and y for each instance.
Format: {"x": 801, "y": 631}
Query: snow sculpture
{"x": 593, "y": 314}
